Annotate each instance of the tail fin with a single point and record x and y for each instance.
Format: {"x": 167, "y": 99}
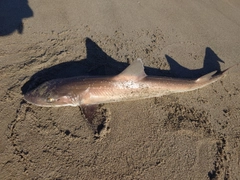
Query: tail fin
{"x": 224, "y": 71}
{"x": 213, "y": 76}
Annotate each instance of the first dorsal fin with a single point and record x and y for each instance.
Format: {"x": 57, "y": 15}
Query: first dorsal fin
{"x": 134, "y": 71}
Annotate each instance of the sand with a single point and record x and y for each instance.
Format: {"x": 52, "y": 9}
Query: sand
{"x": 193, "y": 135}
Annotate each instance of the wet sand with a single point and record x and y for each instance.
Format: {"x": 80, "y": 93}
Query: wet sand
{"x": 193, "y": 135}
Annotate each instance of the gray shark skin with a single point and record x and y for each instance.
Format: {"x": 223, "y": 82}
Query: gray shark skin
{"x": 131, "y": 84}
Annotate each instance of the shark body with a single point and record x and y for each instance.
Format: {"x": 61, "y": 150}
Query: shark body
{"x": 131, "y": 84}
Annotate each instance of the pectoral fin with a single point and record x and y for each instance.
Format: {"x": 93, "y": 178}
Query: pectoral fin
{"x": 98, "y": 118}
{"x": 89, "y": 111}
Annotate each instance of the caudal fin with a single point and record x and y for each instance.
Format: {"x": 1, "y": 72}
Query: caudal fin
{"x": 213, "y": 76}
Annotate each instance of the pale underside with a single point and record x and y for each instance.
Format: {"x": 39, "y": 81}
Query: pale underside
{"x": 116, "y": 91}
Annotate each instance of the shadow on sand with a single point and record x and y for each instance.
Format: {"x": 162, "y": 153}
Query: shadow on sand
{"x": 98, "y": 63}
{"x": 11, "y": 14}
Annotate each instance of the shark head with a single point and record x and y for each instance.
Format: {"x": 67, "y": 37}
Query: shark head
{"x": 50, "y": 95}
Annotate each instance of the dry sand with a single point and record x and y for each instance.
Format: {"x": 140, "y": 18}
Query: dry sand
{"x": 194, "y": 135}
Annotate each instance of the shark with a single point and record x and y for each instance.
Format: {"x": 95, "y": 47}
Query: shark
{"x": 130, "y": 85}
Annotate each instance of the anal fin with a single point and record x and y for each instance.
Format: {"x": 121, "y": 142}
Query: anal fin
{"x": 89, "y": 111}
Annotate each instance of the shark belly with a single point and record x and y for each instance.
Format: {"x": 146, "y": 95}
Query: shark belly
{"x": 123, "y": 91}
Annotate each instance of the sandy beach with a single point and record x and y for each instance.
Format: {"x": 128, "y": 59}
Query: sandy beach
{"x": 192, "y": 135}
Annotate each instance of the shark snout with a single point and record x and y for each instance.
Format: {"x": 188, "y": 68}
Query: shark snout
{"x": 31, "y": 98}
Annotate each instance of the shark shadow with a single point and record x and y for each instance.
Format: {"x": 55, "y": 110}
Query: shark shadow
{"x": 210, "y": 64}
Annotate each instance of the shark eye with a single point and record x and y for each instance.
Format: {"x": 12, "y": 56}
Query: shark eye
{"x": 50, "y": 100}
